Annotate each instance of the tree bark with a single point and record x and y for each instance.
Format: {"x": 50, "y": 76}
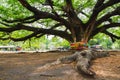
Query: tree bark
{"x": 83, "y": 60}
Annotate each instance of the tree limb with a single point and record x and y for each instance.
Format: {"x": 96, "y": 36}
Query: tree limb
{"x": 109, "y": 3}
{"x": 5, "y": 24}
{"x": 107, "y": 16}
{"x": 4, "y": 38}
{"x": 85, "y": 14}
{"x": 72, "y": 16}
{"x": 23, "y": 20}
{"x": 24, "y": 38}
{"x": 111, "y": 35}
{"x": 94, "y": 15}
{"x": 104, "y": 28}
{"x": 28, "y": 6}
{"x": 50, "y": 2}
{"x": 43, "y": 15}
{"x": 91, "y": 22}
{"x": 62, "y": 34}
{"x": 100, "y": 5}
{"x": 55, "y": 26}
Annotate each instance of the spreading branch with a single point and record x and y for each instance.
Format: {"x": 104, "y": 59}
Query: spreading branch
{"x": 36, "y": 31}
{"x": 53, "y": 27}
{"x": 94, "y": 15}
{"x": 23, "y": 20}
{"x": 5, "y": 24}
{"x": 43, "y": 15}
{"x": 29, "y": 7}
{"x": 107, "y": 26}
{"x": 107, "y": 16}
{"x": 109, "y": 3}
{"x": 75, "y": 29}
{"x": 50, "y": 2}
{"x": 113, "y": 37}
{"x": 24, "y": 38}
{"x": 72, "y": 16}
{"x": 100, "y": 5}
{"x": 104, "y": 28}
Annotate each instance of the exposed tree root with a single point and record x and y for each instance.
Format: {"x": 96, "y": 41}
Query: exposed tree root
{"x": 82, "y": 59}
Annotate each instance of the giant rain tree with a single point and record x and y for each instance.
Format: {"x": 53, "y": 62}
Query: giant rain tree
{"x": 73, "y": 20}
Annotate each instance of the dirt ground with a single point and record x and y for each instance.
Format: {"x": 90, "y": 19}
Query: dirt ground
{"x": 26, "y": 66}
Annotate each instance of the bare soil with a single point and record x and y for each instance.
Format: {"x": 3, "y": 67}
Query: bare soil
{"x": 26, "y": 66}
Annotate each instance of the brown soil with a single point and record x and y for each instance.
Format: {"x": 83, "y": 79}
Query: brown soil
{"x": 26, "y": 66}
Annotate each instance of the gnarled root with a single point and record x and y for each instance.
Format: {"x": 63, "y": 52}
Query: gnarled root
{"x": 83, "y": 59}
{"x": 83, "y": 67}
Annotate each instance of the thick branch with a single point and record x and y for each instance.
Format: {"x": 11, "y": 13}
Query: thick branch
{"x": 28, "y": 6}
{"x": 109, "y": 3}
{"x": 57, "y": 33}
{"x": 53, "y": 27}
{"x": 62, "y": 34}
{"x": 72, "y": 16}
{"x": 24, "y": 38}
{"x": 50, "y": 2}
{"x": 17, "y": 27}
{"x": 111, "y": 35}
{"x": 107, "y": 16}
{"x": 85, "y": 14}
{"x": 4, "y": 38}
{"x": 5, "y": 24}
{"x": 43, "y": 15}
{"x": 100, "y": 5}
{"x": 23, "y": 20}
{"x": 104, "y": 28}
{"x": 91, "y": 22}
{"x": 94, "y": 15}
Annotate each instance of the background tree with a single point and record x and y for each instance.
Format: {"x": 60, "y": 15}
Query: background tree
{"x": 73, "y": 20}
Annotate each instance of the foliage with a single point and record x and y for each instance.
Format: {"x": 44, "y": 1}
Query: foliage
{"x": 72, "y": 20}
{"x": 105, "y": 41}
